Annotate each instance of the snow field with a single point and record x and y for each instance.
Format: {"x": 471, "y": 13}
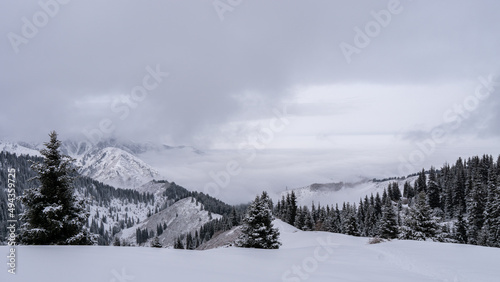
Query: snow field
{"x": 304, "y": 256}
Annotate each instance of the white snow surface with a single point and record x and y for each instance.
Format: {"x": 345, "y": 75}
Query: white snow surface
{"x": 304, "y": 256}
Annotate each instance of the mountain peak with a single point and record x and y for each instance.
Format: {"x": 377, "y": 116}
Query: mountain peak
{"x": 118, "y": 168}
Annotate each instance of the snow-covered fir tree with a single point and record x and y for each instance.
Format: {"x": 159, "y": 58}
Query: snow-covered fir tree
{"x": 419, "y": 223}
{"x": 460, "y": 235}
{"x": 389, "y": 228}
{"x": 53, "y": 215}
{"x": 475, "y": 210}
{"x": 178, "y": 244}
{"x": 491, "y": 228}
{"x": 292, "y": 208}
{"x": 257, "y": 229}
{"x": 433, "y": 197}
{"x": 155, "y": 243}
{"x": 350, "y": 222}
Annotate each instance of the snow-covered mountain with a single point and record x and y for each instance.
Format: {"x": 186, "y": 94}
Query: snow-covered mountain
{"x": 113, "y": 162}
{"x": 186, "y": 215}
{"x": 338, "y": 193}
{"x": 116, "y": 167}
{"x": 19, "y": 148}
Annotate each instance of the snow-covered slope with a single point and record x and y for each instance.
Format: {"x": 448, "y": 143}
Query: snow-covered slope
{"x": 304, "y": 256}
{"x": 18, "y": 149}
{"x": 223, "y": 239}
{"x": 184, "y": 216}
{"x": 153, "y": 187}
{"x": 117, "y": 168}
{"x": 338, "y": 193}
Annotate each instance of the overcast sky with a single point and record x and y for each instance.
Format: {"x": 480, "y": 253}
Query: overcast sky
{"x": 352, "y": 80}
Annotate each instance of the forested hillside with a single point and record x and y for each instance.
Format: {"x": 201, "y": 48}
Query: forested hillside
{"x": 456, "y": 203}
{"x": 111, "y": 209}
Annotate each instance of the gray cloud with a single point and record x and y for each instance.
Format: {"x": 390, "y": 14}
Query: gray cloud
{"x": 93, "y": 50}
{"x": 475, "y": 115}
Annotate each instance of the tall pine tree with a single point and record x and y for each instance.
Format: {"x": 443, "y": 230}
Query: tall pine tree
{"x": 388, "y": 224}
{"x": 419, "y": 224}
{"x": 433, "y": 190}
{"x": 53, "y": 215}
{"x": 257, "y": 230}
{"x": 491, "y": 228}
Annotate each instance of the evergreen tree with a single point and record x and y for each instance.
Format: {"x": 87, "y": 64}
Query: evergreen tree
{"x": 53, "y": 216}
{"x": 361, "y": 218}
{"x": 351, "y": 224}
{"x": 257, "y": 230}
{"x": 408, "y": 191}
{"x": 332, "y": 221}
{"x": 419, "y": 224}
{"x": 371, "y": 219}
{"x": 421, "y": 182}
{"x": 155, "y": 243}
{"x": 159, "y": 229}
{"x": 475, "y": 209}
{"x": 300, "y": 219}
{"x": 458, "y": 187}
{"x": 234, "y": 218}
{"x": 385, "y": 197}
{"x": 388, "y": 223}
{"x": 378, "y": 205}
{"x": 396, "y": 193}
{"x": 447, "y": 194}
{"x": 291, "y": 209}
{"x": 321, "y": 219}
{"x": 433, "y": 190}
{"x": 190, "y": 244}
{"x": 337, "y": 221}
{"x": 491, "y": 228}
{"x": 461, "y": 230}
{"x": 178, "y": 244}
{"x": 309, "y": 221}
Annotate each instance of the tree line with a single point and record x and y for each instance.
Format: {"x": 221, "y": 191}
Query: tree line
{"x": 458, "y": 203}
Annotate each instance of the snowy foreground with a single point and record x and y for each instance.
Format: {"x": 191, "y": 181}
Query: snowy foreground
{"x": 304, "y": 256}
